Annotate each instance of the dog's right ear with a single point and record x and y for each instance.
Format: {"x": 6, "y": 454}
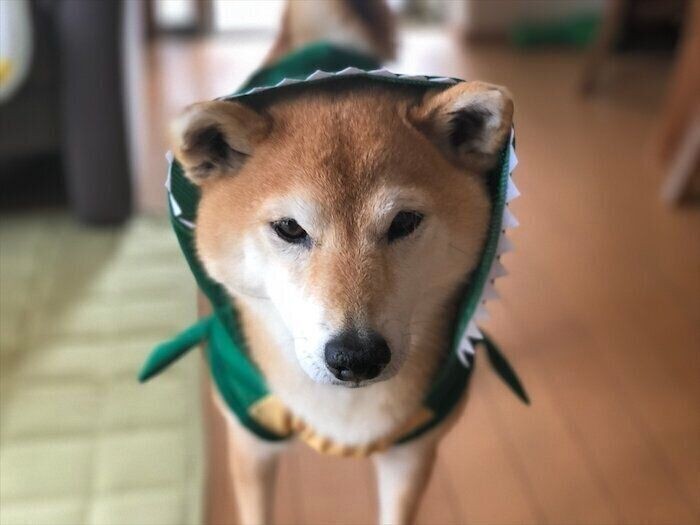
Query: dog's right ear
{"x": 468, "y": 122}
{"x": 213, "y": 139}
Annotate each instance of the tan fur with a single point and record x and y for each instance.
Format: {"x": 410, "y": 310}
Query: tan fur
{"x": 341, "y": 153}
{"x": 366, "y": 25}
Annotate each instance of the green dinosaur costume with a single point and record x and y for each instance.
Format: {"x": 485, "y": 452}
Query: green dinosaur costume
{"x": 239, "y": 381}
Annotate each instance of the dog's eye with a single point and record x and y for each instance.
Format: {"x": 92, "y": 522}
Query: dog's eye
{"x": 404, "y": 224}
{"x": 290, "y": 231}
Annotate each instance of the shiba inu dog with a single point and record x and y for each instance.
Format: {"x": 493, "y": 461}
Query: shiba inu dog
{"x": 344, "y": 220}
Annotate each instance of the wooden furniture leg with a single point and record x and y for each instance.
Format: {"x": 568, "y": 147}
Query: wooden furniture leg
{"x": 604, "y": 42}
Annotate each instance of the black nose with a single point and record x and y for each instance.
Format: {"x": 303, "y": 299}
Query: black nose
{"x": 354, "y": 356}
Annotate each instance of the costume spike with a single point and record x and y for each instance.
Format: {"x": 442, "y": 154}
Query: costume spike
{"x": 473, "y": 331}
{"x": 509, "y": 220}
{"x": 481, "y": 313}
{"x": 348, "y": 71}
{"x": 464, "y": 350}
{"x": 318, "y": 74}
{"x": 497, "y": 270}
{"x": 187, "y": 223}
{"x": 505, "y": 245}
{"x": 512, "y": 191}
{"x": 512, "y": 158}
{"x": 443, "y": 80}
{"x": 462, "y": 356}
{"x": 177, "y": 211}
{"x": 382, "y": 73}
{"x": 287, "y": 82}
{"x": 490, "y": 292}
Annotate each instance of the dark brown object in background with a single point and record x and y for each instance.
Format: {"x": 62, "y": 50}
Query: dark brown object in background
{"x": 149, "y": 18}
{"x": 639, "y": 25}
{"x": 679, "y": 139}
{"x": 205, "y": 16}
{"x": 608, "y": 32}
{"x": 92, "y": 109}
{"x": 376, "y": 18}
{"x": 71, "y": 106}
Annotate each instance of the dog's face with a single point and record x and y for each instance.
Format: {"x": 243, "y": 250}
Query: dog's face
{"x": 356, "y": 214}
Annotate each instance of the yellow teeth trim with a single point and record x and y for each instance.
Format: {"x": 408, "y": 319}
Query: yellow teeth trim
{"x": 271, "y": 413}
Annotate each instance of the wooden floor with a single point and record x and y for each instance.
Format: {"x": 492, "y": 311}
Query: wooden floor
{"x": 600, "y": 315}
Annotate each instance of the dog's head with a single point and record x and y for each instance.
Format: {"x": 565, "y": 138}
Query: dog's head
{"x": 354, "y": 211}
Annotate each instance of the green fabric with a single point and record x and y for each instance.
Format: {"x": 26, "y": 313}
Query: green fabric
{"x": 167, "y": 353}
{"x": 453, "y": 378}
{"x": 506, "y": 372}
{"x": 577, "y": 30}
{"x": 238, "y": 380}
{"x": 498, "y": 179}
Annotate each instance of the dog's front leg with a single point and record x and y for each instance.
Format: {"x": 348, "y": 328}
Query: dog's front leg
{"x": 253, "y": 467}
{"x": 403, "y": 472}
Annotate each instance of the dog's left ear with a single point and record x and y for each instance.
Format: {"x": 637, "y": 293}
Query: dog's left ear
{"x": 468, "y": 122}
{"x": 214, "y": 139}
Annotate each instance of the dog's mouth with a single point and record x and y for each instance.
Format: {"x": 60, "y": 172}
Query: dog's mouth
{"x": 355, "y": 384}
{"x": 386, "y": 374}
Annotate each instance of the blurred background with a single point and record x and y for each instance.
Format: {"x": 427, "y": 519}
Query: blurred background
{"x": 600, "y": 314}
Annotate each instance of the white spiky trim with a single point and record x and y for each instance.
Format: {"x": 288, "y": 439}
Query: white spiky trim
{"x": 349, "y": 72}
{"x": 174, "y": 206}
{"x": 497, "y": 270}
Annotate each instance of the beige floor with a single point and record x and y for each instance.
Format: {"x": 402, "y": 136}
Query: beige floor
{"x": 601, "y": 313}
{"x": 81, "y": 441}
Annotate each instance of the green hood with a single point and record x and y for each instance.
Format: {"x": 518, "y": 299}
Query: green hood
{"x": 239, "y": 381}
